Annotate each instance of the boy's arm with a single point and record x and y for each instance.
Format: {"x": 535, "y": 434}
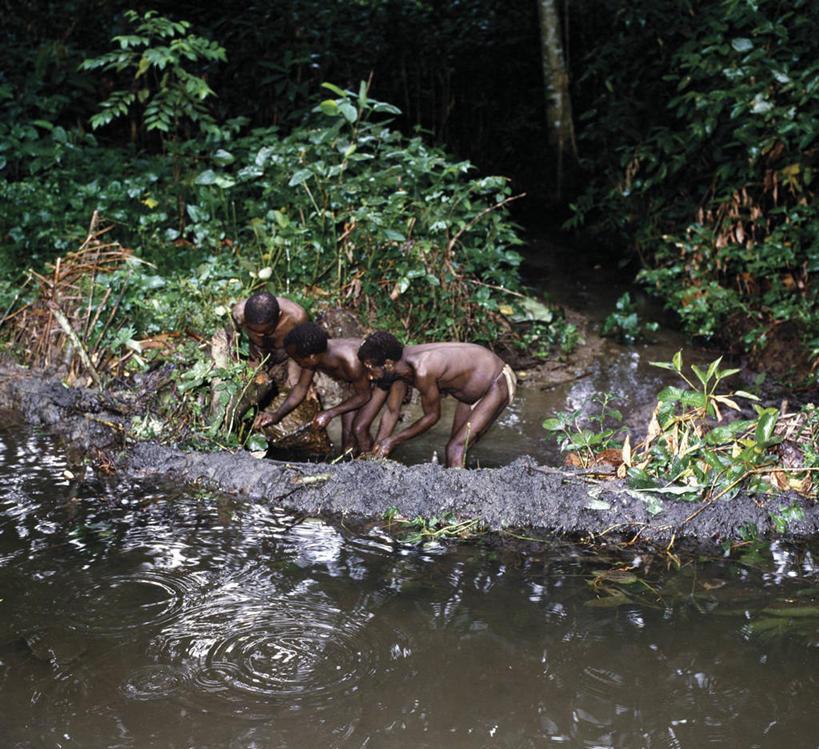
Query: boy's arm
{"x": 391, "y": 411}
{"x": 297, "y": 395}
{"x": 362, "y": 394}
{"x": 431, "y": 403}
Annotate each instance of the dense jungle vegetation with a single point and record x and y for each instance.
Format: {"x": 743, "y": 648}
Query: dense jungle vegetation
{"x": 374, "y": 154}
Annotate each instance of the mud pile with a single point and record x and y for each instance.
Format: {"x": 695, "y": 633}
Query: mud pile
{"x": 524, "y": 497}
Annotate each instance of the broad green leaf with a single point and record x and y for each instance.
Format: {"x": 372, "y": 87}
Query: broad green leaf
{"x": 335, "y": 89}
{"x": 208, "y": 177}
{"x": 765, "y": 426}
{"x": 726, "y": 373}
{"x": 143, "y": 67}
{"x": 256, "y": 442}
{"x": 223, "y": 157}
{"x": 349, "y": 111}
{"x": 329, "y": 107}
{"x": 302, "y": 175}
{"x": 744, "y": 394}
{"x": 383, "y": 107}
{"x": 712, "y": 367}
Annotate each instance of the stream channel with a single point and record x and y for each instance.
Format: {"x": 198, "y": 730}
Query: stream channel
{"x": 136, "y": 615}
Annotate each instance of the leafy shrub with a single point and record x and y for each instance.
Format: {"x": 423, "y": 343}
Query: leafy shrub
{"x": 352, "y": 211}
{"x": 691, "y": 452}
{"x": 711, "y": 177}
{"x": 342, "y": 208}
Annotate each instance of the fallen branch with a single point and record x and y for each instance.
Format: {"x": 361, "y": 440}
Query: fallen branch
{"x": 62, "y": 321}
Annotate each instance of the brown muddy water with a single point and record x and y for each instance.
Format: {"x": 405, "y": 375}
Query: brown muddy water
{"x": 136, "y": 616}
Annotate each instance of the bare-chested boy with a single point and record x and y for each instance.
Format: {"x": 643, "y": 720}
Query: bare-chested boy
{"x": 479, "y": 380}
{"x": 266, "y": 320}
{"x": 313, "y": 351}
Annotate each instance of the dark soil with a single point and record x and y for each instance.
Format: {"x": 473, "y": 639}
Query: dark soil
{"x": 524, "y": 497}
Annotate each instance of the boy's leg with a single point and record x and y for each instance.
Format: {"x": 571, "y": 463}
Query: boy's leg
{"x": 477, "y": 421}
{"x": 462, "y": 413}
{"x": 348, "y": 441}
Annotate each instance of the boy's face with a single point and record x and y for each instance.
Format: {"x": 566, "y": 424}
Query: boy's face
{"x": 305, "y": 362}
{"x": 258, "y": 333}
{"x": 382, "y": 375}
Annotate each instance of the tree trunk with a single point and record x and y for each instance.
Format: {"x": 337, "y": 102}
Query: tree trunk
{"x": 556, "y": 86}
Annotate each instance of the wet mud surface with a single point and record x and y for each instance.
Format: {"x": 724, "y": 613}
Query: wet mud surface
{"x": 523, "y": 498}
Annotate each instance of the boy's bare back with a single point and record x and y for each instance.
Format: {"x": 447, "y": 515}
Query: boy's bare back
{"x": 340, "y": 361}
{"x": 463, "y": 370}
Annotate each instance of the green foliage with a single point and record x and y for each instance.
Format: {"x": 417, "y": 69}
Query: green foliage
{"x": 713, "y": 187}
{"x": 160, "y": 87}
{"x": 343, "y": 208}
{"x": 624, "y": 323}
{"x": 347, "y": 209}
{"x": 785, "y": 516}
{"x": 588, "y": 432}
{"x": 690, "y": 451}
{"x": 434, "y": 529}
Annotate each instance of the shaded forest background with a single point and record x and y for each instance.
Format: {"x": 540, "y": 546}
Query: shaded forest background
{"x": 696, "y": 127}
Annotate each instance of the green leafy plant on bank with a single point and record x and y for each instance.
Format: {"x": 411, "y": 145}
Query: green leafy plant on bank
{"x": 426, "y": 530}
{"x": 588, "y": 431}
{"x": 196, "y": 399}
{"x": 692, "y": 452}
{"x": 344, "y": 210}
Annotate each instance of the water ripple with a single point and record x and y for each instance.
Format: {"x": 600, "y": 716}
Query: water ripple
{"x": 295, "y": 652}
{"x": 152, "y": 683}
{"x": 128, "y": 602}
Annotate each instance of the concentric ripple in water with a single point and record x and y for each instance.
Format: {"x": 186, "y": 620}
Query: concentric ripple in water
{"x": 297, "y": 653}
{"x": 143, "y": 599}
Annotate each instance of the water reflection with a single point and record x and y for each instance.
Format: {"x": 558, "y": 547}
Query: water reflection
{"x": 140, "y": 616}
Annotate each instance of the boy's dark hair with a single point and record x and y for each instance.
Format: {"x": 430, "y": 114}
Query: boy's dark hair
{"x": 261, "y": 309}
{"x": 379, "y": 347}
{"x": 307, "y": 338}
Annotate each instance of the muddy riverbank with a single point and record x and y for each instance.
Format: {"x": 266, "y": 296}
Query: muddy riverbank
{"x": 524, "y": 497}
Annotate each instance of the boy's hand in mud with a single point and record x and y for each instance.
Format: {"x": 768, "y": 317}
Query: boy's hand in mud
{"x": 383, "y": 448}
{"x": 263, "y": 419}
{"x": 321, "y": 420}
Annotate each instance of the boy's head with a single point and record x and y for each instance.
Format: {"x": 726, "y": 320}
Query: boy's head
{"x": 305, "y": 340}
{"x": 378, "y": 354}
{"x": 379, "y": 347}
{"x": 262, "y": 310}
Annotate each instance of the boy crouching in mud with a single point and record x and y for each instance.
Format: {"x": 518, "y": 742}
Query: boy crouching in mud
{"x": 266, "y": 320}
{"x": 309, "y": 346}
{"x": 481, "y": 382}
